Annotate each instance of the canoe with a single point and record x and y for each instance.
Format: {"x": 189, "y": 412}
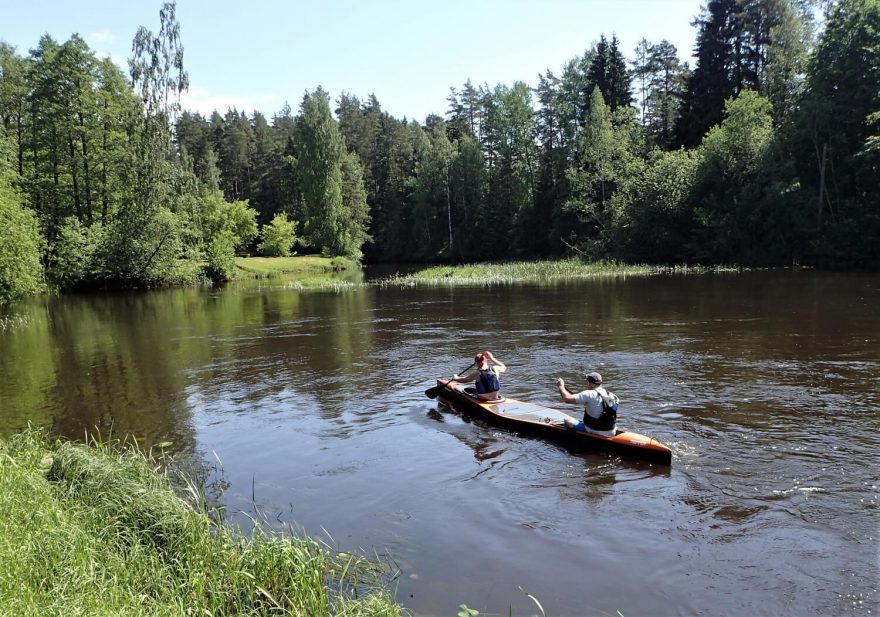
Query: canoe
{"x": 531, "y": 418}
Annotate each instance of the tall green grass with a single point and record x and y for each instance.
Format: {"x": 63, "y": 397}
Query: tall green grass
{"x": 99, "y": 530}
{"x": 529, "y": 272}
{"x": 517, "y": 272}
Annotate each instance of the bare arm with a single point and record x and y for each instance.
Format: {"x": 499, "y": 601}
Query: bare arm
{"x": 500, "y": 367}
{"x": 563, "y": 391}
{"x": 469, "y": 375}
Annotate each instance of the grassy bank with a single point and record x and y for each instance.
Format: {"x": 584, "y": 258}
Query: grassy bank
{"x": 523, "y": 272}
{"x": 97, "y": 531}
{"x": 306, "y": 264}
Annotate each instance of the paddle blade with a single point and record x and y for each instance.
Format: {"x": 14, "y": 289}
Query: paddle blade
{"x": 433, "y": 392}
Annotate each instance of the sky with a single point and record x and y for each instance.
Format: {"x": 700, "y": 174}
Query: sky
{"x": 261, "y": 54}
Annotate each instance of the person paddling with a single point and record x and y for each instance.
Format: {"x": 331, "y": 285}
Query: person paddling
{"x": 599, "y": 418}
{"x": 484, "y": 373}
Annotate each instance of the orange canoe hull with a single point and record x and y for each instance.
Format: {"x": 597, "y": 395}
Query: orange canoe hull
{"x": 537, "y": 419}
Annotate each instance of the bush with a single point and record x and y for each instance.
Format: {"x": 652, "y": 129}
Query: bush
{"x": 221, "y": 256}
{"x": 219, "y": 215}
{"x": 76, "y": 253}
{"x": 278, "y": 237}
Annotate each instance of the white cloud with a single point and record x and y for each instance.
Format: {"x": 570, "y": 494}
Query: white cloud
{"x": 102, "y": 36}
{"x": 205, "y": 102}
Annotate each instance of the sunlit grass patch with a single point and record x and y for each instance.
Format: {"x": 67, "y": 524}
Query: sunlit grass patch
{"x": 267, "y": 266}
{"x": 99, "y": 531}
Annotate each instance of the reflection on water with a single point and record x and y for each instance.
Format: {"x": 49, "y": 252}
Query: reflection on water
{"x": 764, "y": 384}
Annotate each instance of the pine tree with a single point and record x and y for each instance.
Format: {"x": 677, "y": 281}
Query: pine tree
{"x": 643, "y": 71}
{"x": 666, "y": 88}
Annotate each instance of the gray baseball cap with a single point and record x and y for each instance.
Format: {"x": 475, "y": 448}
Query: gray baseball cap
{"x": 594, "y": 377}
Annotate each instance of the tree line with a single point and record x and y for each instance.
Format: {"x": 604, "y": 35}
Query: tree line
{"x": 765, "y": 153}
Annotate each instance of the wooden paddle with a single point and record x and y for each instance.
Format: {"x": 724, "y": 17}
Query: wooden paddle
{"x": 436, "y": 390}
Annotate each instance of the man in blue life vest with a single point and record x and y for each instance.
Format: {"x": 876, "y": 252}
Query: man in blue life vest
{"x": 484, "y": 373}
{"x": 598, "y": 418}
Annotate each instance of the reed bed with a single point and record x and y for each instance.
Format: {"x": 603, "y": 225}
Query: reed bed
{"x": 517, "y": 272}
{"x": 99, "y": 530}
{"x": 489, "y": 274}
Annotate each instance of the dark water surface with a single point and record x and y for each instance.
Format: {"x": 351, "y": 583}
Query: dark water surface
{"x": 765, "y": 384}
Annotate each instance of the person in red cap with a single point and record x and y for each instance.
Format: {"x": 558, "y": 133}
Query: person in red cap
{"x": 484, "y": 373}
{"x": 598, "y": 417}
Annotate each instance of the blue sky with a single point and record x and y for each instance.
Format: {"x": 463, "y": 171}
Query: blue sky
{"x": 257, "y": 54}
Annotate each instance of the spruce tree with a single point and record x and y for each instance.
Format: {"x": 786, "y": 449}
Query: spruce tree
{"x": 714, "y": 79}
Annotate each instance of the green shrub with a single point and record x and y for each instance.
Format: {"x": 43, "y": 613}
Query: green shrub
{"x": 221, "y": 256}
{"x": 278, "y": 237}
{"x": 77, "y": 251}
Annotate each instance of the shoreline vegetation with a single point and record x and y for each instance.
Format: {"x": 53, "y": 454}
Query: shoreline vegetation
{"x": 99, "y": 529}
{"x": 301, "y": 272}
{"x": 764, "y": 154}
{"x": 535, "y": 271}
{"x": 309, "y": 272}
{"x": 314, "y": 272}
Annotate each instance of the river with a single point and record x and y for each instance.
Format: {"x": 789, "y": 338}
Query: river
{"x": 308, "y": 407}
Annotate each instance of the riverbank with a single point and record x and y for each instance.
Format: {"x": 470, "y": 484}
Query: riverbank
{"x": 257, "y": 267}
{"x": 96, "y": 530}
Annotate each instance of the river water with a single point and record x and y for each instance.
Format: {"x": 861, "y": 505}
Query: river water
{"x": 309, "y": 407}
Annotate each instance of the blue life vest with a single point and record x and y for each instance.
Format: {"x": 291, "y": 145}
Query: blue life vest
{"x": 488, "y": 382}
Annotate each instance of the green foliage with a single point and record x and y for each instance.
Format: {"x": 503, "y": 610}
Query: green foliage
{"x": 607, "y": 71}
{"x": 603, "y": 154}
{"x": 653, "y": 217}
{"x": 432, "y": 225}
{"x": 220, "y": 253}
{"x": 740, "y": 195}
{"x": 205, "y": 216}
{"x": 836, "y": 127}
{"x": 320, "y": 175}
{"x": 335, "y": 210}
{"x": 739, "y": 146}
{"x": 235, "y": 217}
{"x": 21, "y": 272}
{"x": 278, "y": 237}
{"x": 500, "y": 176}
{"x": 662, "y": 78}
{"x": 354, "y": 200}
{"x": 514, "y": 175}
{"x": 76, "y": 254}
{"x": 140, "y": 250}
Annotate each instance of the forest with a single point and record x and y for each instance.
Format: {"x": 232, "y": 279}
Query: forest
{"x": 765, "y": 153}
